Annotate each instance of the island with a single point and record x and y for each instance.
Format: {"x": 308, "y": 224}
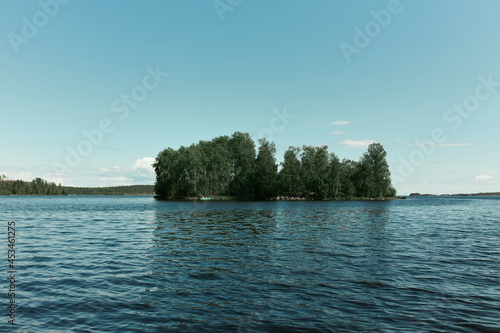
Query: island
{"x": 233, "y": 168}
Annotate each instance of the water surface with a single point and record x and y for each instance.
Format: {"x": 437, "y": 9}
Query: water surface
{"x": 106, "y": 263}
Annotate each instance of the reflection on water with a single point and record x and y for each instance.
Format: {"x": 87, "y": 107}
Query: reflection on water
{"x": 283, "y": 265}
{"x": 106, "y": 263}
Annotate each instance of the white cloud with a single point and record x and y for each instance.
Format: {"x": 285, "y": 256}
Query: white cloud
{"x": 141, "y": 172}
{"x": 110, "y": 171}
{"x": 144, "y": 166}
{"x": 138, "y": 172}
{"x": 486, "y": 178}
{"x": 337, "y": 133}
{"x": 340, "y": 122}
{"x": 357, "y": 144}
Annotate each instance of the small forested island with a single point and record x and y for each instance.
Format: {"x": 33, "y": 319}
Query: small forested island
{"x": 232, "y": 168}
{"x": 39, "y": 186}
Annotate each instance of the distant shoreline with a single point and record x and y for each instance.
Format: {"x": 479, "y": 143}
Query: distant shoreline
{"x": 481, "y": 194}
{"x": 236, "y": 199}
{"x": 41, "y": 187}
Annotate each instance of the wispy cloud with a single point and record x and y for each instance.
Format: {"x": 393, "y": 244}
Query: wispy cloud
{"x": 453, "y": 144}
{"x": 487, "y": 178}
{"x": 484, "y": 178}
{"x": 433, "y": 144}
{"x": 140, "y": 173}
{"x": 110, "y": 171}
{"x": 340, "y": 122}
{"x": 357, "y": 144}
{"x": 336, "y": 133}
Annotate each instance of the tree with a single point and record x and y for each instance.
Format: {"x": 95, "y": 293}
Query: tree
{"x": 334, "y": 169}
{"x": 308, "y": 173}
{"x": 242, "y": 149}
{"x": 265, "y": 171}
{"x": 289, "y": 179}
{"x": 166, "y": 185}
{"x": 347, "y": 172}
{"x": 321, "y": 167}
{"x": 376, "y": 159}
{"x": 363, "y": 178}
{"x": 219, "y": 163}
{"x": 227, "y": 166}
{"x": 314, "y": 162}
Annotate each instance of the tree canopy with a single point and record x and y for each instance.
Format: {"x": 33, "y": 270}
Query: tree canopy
{"x": 39, "y": 186}
{"x": 233, "y": 166}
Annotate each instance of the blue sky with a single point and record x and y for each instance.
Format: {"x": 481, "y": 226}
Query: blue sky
{"x": 421, "y": 77}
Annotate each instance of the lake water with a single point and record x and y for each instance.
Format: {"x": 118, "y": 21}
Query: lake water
{"x": 103, "y": 263}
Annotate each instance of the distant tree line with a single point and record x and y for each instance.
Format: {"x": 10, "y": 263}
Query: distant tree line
{"x": 230, "y": 166}
{"x": 481, "y": 194}
{"x": 114, "y": 190}
{"x": 39, "y": 186}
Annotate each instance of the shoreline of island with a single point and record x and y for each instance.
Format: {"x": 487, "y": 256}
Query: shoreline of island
{"x": 240, "y": 199}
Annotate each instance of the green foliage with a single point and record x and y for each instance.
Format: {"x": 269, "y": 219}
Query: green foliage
{"x": 347, "y": 178}
{"x": 380, "y": 181}
{"x": 290, "y": 175}
{"x": 334, "y": 169}
{"x": 315, "y": 171}
{"x": 227, "y": 166}
{"x": 243, "y": 159}
{"x": 266, "y": 171}
{"x": 113, "y": 190}
{"x": 37, "y": 186}
{"x": 221, "y": 167}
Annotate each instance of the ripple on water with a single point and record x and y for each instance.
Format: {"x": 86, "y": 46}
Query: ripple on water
{"x": 112, "y": 263}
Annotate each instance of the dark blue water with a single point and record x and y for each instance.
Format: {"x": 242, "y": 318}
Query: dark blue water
{"x": 89, "y": 264}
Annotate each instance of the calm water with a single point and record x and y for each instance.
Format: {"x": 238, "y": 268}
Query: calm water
{"x": 135, "y": 264}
